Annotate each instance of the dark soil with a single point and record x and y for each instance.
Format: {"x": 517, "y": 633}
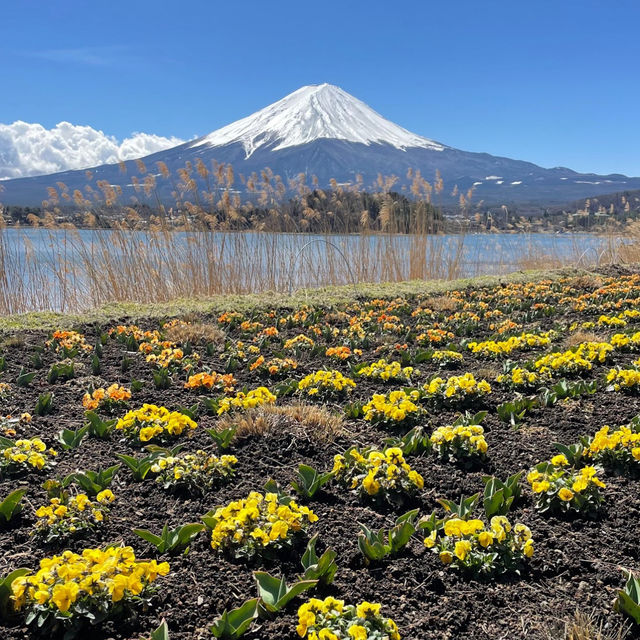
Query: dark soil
{"x": 577, "y": 562}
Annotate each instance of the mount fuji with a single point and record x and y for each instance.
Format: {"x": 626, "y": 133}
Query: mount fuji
{"x": 322, "y": 131}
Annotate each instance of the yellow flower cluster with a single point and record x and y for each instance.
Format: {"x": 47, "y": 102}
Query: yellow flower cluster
{"x": 618, "y": 447}
{"x": 68, "y": 341}
{"x": 196, "y": 471}
{"x": 239, "y": 350}
{"x": 519, "y": 378}
{"x": 574, "y": 361}
{"x": 169, "y": 357}
{"x": 459, "y": 441}
{"x": 155, "y": 346}
{"x": 387, "y": 371}
{"x": 138, "y": 334}
{"x": 229, "y": 317}
{"x": 223, "y": 381}
{"x": 446, "y": 357}
{"x": 152, "y": 421}
{"x": 250, "y": 327}
{"x": 476, "y": 547}
{"x": 557, "y": 487}
{"x": 248, "y": 400}
{"x": 325, "y": 384}
{"x": 26, "y": 454}
{"x": 611, "y": 321}
{"x": 624, "y": 380}
{"x": 624, "y": 342}
{"x": 331, "y": 619}
{"x": 525, "y": 341}
{"x": 258, "y": 522}
{"x": 595, "y": 351}
{"x": 166, "y": 354}
{"x": 376, "y": 473}
{"x": 457, "y": 389}
{"x": 274, "y": 367}
{"x": 392, "y": 407}
{"x": 82, "y": 585}
{"x": 108, "y": 398}
{"x": 62, "y": 518}
{"x": 299, "y": 342}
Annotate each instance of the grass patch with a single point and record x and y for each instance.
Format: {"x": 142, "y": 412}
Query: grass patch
{"x": 323, "y": 297}
{"x": 313, "y": 421}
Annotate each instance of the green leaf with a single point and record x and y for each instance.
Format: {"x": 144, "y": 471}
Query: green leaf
{"x": 72, "y": 439}
{"x": 310, "y": 557}
{"x": 44, "y": 404}
{"x": 233, "y": 624}
{"x": 97, "y": 427}
{"x": 10, "y": 506}
{"x": 309, "y": 481}
{"x": 410, "y": 516}
{"x": 171, "y": 540}
{"x": 626, "y": 604}
{"x": 371, "y": 543}
{"x": 223, "y": 437}
{"x": 139, "y": 467}
{"x": 188, "y": 531}
{"x": 209, "y": 520}
{"x": 274, "y": 592}
{"x": 93, "y": 482}
{"x": 463, "y": 509}
{"x": 161, "y": 633}
{"x": 24, "y": 379}
{"x": 629, "y": 600}
{"x": 322, "y": 569}
{"x": 155, "y": 540}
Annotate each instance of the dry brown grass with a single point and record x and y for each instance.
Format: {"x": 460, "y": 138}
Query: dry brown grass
{"x": 193, "y": 256}
{"x": 311, "y": 421}
{"x": 583, "y": 626}
{"x": 630, "y": 251}
{"x": 74, "y": 271}
{"x": 488, "y": 373}
{"x": 582, "y": 335}
{"x": 317, "y": 421}
{"x": 12, "y": 342}
{"x": 255, "y": 422}
{"x": 195, "y": 333}
{"x": 587, "y": 282}
{"x": 442, "y": 303}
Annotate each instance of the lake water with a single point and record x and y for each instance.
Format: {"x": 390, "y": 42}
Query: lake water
{"x": 58, "y": 262}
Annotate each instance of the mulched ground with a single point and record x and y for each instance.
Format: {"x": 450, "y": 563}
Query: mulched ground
{"x": 576, "y": 564}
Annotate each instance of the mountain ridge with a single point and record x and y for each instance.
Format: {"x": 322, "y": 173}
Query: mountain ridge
{"x": 322, "y": 131}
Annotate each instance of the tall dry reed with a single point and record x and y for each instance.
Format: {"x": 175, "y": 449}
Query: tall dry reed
{"x": 72, "y": 270}
{"x": 196, "y": 248}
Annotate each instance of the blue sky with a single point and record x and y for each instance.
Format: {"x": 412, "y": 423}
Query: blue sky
{"x": 555, "y": 83}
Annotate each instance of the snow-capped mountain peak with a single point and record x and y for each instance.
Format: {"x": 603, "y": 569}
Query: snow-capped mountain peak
{"x": 311, "y": 113}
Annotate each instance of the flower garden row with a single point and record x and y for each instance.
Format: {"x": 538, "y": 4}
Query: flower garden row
{"x": 426, "y": 374}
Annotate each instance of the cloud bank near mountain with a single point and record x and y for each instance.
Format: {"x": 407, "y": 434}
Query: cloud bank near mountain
{"x": 29, "y": 149}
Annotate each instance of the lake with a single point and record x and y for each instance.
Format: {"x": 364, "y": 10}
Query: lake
{"x": 71, "y": 269}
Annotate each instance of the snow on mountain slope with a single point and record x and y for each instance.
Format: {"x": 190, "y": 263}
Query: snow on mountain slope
{"x": 326, "y": 134}
{"x": 311, "y": 113}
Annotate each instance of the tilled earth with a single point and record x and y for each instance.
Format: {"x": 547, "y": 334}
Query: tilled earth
{"x": 577, "y": 562}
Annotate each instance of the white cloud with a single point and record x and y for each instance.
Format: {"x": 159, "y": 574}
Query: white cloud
{"x": 28, "y": 149}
